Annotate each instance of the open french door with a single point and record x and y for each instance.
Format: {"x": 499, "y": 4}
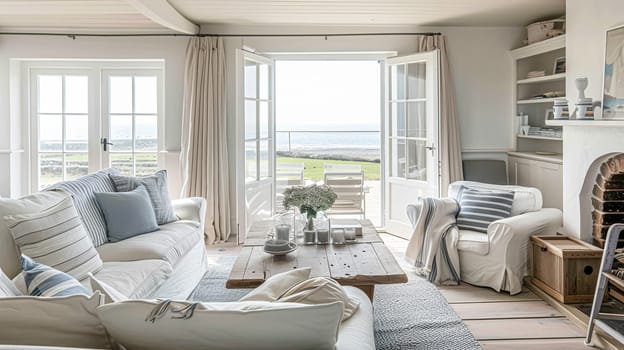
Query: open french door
{"x": 411, "y": 135}
{"x": 255, "y": 129}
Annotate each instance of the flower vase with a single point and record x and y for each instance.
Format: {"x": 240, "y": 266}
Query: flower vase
{"x": 309, "y": 231}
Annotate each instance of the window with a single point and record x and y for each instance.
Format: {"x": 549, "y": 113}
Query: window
{"x": 86, "y": 116}
{"x": 258, "y": 133}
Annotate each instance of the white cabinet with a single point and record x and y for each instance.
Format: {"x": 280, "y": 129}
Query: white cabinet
{"x": 544, "y": 175}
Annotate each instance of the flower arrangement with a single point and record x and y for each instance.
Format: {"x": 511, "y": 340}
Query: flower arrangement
{"x": 310, "y": 200}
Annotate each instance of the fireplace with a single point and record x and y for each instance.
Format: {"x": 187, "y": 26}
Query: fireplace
{"x": 607, "y": 198}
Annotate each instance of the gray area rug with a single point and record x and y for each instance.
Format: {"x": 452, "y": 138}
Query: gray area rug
{"x": 407, "y": 316}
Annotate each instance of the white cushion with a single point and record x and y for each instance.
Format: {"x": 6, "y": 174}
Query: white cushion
{"x": 475, "y": 242}
{"x": 111, "y": 295}
{"x": 321, "y": 290}
{"x": 34, "y": 203}
{"x": 221, "y": 326}
{"x": 357, "y": 333}
{"x": 526, "y": 199}
{"x": 7, "y": 287}
{"x": 170, "y": 243}
{"x": 70, "y": 321}
{"x": 57, "y": 238}
{"x": 135, "y": 279}
{"x": 275, "y": 286}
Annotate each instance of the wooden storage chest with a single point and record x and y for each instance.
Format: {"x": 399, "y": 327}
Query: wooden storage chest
{"x": 565, "y": 268}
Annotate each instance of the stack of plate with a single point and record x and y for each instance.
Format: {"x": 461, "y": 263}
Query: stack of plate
{"x": 279, "y": 247}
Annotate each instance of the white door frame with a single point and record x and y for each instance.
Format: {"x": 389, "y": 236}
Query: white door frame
{"x": 411, "y": 189}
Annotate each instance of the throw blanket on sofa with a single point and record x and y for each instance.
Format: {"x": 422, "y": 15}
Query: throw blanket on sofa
{"x": 432, "y": 248}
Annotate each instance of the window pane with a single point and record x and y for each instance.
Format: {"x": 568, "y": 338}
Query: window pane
{"x": 397, "y": 119}
{"x": 250, "y": 161}
{"x": 50, "y": 133}
{"x": 123, "y": 162}
{"x": 120, "y": 92}
{"x": 264, "y": 119}
{"x": 76, "y": 165}
{"x": 146, "y": 133}
{"x": 417, "y": 160}
{"x": 250, "y": 79}
{"x": 397, "y": 157}
{"x": 50, "y": 169}
{"x": 250, "y": 120}
{"x": 264, "y": 81}
{"x": 50, "y": 94}
{"x": 264, "y": 159}
{"x": 145, "y": 95}
{"x": 416, "y": 119}
{"x": 397, "y": 82}
{"x": 416, "y": 79}
{"x": 76, "y": 94}
{"x": 121, "y": 133}
{"x": 76, "y": 133}
{"x": 146, "y": 163}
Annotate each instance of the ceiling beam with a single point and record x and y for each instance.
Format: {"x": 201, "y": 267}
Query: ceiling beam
{"x": 161, "y": 12}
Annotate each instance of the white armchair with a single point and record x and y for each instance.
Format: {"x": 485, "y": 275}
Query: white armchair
{"x": 498, "y": 259}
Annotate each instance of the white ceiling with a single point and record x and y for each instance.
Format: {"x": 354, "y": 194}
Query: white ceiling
{"x": 114, "y": 16}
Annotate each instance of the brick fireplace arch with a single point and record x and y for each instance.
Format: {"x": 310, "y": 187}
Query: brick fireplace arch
{"x": 608, "y": 198}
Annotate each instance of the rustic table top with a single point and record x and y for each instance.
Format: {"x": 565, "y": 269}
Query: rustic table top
{"x": 365, "y": 262}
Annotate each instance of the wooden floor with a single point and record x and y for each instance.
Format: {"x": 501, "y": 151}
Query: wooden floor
{"x": 497, "y": 320}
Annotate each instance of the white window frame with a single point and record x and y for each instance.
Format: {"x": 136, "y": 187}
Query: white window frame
{"x": 95, "y": 68}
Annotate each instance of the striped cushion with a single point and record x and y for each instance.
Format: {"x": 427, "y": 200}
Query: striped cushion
{"x": 82, "y": 191}
{"x": 156, "y": 186}
{"x": 44, "y": 281}
{"x": 479, "y": 208}
{"x": 57, "y": 238}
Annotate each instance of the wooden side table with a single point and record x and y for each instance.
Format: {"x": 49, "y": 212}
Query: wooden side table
{"x": 565, "y": 268}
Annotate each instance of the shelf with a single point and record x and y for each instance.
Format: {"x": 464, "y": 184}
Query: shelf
{"x": 598, "y": 122}
{"x": 538, "y": 100}
{"x": 539, "y": 137}
{"x": 540, "y": 47}
{"x": 555, "y": 158}
{"x": 544, "y": 79}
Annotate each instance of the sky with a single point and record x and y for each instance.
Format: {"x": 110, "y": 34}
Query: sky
{"x": 322, "y": 95}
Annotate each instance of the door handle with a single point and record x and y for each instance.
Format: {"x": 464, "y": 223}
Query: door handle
{"x": 432, "y": 148}
{"x": 104, "y": 142}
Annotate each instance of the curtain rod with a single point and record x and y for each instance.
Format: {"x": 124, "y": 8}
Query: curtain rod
{"x": 74, "y": 36}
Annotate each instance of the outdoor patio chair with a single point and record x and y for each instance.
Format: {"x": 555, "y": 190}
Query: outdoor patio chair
{"x": 349, "y": 186}
{"x": 287, "y": 175}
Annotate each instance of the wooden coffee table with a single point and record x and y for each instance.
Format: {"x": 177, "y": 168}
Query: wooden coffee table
{"x": 362, "y": 264}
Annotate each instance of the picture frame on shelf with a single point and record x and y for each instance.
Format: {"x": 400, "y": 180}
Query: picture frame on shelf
{"x": 560, "y": 65}
{"x": 613, "y": 75}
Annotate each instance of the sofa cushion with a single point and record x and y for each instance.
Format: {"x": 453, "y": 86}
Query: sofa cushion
{"x": 56, "y": 237}
{"x": 45, "y": 281}
{"x": 275, "y": 286}
{"x": 9, "y": 254}
{"x": 83, "y": 193}
{"x": 258, "y": 325}
{"x": 170, "y": 243}
{"x": 135, "y": 279}
{"x": 111, "y": 295}
{"x": 69, "y": 321}
{"x": 474, "y": 242}
{"x": 357, "y": 332}
{"x": 7, "y": 287}
{"x": 156, "y": 186}
{"x": 127, "y": 214}
{"x": 526, "y": 199}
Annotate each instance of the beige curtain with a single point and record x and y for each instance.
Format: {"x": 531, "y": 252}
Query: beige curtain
{"x": 204, "y": 155}
{"x": 450, "y": 146}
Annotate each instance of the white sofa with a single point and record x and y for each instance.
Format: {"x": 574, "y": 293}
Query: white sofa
{"x": 498, "y": 259}
{"x": 169, "y": 263}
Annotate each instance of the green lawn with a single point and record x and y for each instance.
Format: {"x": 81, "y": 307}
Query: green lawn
{"x": 314, "y": 168}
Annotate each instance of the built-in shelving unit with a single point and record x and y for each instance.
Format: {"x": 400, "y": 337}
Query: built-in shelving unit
{"x": 597, "y": 122}
{"x": 537, "y": 161}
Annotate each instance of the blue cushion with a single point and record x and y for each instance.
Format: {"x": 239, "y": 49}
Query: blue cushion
{"x": 127, "y": 214}
{"x": 479, "y": 208}
{"x": 42, "y": 280}
{"x": 156, "y": 186}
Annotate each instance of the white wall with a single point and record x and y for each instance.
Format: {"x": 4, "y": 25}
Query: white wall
{"x": 13, "y": 181}
{"x": 587, "y": 22}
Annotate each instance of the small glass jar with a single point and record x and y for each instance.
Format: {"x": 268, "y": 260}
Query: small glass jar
{"x": 283, "y": 226}
{"x": 338, "y": 236}
{"x": 349, "y": 234}
{"x": 323, "y": 227}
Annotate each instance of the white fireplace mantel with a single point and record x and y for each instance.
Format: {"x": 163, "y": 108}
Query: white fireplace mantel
{"x": 586, "y": 145}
